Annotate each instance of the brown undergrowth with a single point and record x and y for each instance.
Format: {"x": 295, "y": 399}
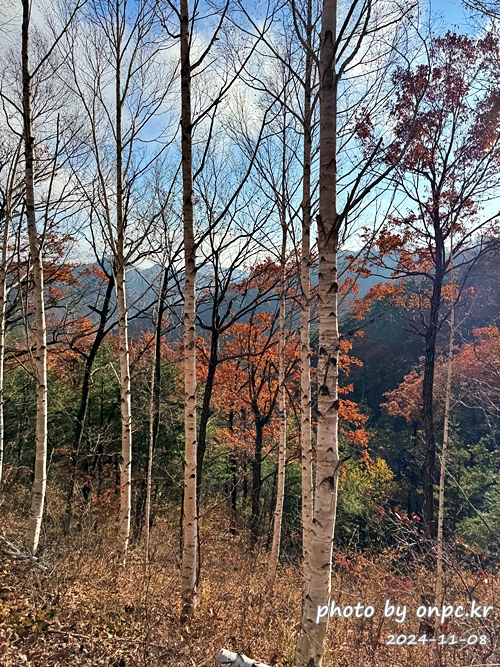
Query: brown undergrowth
{"x": 86, "y": 609}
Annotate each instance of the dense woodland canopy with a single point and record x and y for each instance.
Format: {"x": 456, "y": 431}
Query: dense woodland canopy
{"x": 249, "y": 328}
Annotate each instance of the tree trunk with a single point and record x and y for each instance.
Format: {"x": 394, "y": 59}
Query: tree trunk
{"x": 305, "y": 311}
{"x": 442, "y": 476}
{"x": 205, "y": 408}
{"x": 256, "y": 483}
{"x": 280, "y": 482}
{"x": 190, "y": 513}
{"x": 428, "y": 469}
{"x": 3, "y": 304}
{"x": 40, "y": 357}
{"x": 126, "y": 415}
{"x": 84, "y": 399}
{"x": 310, "y": 643}
{"x": 121, "y": 304}
{"x": 154, "y": 405}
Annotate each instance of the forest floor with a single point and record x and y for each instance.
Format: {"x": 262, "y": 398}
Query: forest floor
{"x": 85, "y": 609}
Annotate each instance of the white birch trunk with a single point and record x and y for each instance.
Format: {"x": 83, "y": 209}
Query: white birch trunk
{"x": 280, "y": 482}
{"x": 40, "y": 356}
{"x": 305, "y": 313}
{"x": 126, "y": 413}
{"x": 190, "y": 512}
{"x": 311, "y": 640}
{"x": 121, "y": 304}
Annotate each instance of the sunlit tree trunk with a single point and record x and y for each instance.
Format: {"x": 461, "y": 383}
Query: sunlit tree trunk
{"x": 121, "y": 303}
{"x": 442, "y": 475}
{"x": 305, "y": 310}
{"x": 311, "y": 640}
{"x": 125, "y": 405}
{"x": 280, "y": 482}
{"x": 40, "y": 356}
{"x": 190, "y": 513}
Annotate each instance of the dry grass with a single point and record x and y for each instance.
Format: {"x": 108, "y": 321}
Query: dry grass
{"x": 87, "y": 610}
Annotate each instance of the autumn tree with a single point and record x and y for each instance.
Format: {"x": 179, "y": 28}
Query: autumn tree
{"x": 248, "y": 391}
{"x": 448, "y": 174}
{"x": 232, "y": 285}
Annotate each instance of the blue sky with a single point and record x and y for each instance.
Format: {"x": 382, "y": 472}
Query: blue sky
{"x": 453, "y": 13}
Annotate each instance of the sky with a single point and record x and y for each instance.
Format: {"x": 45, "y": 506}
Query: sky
{"x": 453, "y": 13}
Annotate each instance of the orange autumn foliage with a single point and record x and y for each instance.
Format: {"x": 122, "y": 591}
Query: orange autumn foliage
{"x": 476, "y": 377}
{"x": 246, "y": 384}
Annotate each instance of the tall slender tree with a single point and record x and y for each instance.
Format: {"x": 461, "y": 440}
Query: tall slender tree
{"x": 35, "y": 242}
{"x": 342, "y": 47}
{"x": 189, "y": 506}
{"x": 119, "y": 193}
{"x": 282, "y": 416}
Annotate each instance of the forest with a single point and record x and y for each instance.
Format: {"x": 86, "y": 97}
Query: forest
{"x": 249, "y": 333}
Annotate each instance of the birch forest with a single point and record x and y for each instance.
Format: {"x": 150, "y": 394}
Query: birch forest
{"x": 250, "y": 333}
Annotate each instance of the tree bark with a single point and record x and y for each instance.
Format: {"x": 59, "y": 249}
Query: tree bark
{"x": 431, "y": 331}
{"x": 442, "y": 475}
{"x": 125, "y": 405}
{"x": 280, "y": 482}
{"x": 6, "y": 214}
{"x": 190, "y": 512}
{"x": 305, "y": 310}
{"x": 84, "y": 398}
{"x": 154, "y": 406}
{"x": 205, "y": 408}
{"x": 40, "y": 356}
{"x": 310, "y": 643}
{"x": 121, "y": 304}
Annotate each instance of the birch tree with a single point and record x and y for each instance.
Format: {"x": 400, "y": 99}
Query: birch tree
{"x": 341, "y": 47}
{"x": 40, "y": 479}
{"x": 305, "y": 292}
{"x": 204, "y": 117}
{"x": 36, "y": 241}
{"x": 291, "y": 82}
{"x": 190, "y": 512}
{"x": 121, "y": 95}
{"x": 444, "y": 450}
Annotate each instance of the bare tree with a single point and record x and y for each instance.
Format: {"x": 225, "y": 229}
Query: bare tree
{"x": 120, "y": 194}
{"x": 36, "y": 248}
{"x": 347, "y": 185}
{"x": 203, "y": 117}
